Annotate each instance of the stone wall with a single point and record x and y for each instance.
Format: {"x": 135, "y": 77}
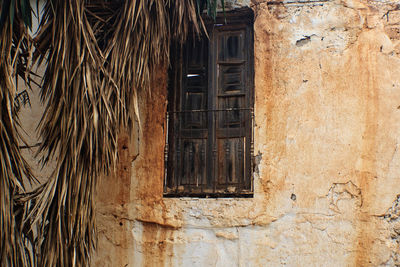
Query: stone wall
{"x": 327, "y": 145}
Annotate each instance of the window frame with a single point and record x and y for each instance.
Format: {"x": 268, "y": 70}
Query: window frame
{"x": 225, "y": 23}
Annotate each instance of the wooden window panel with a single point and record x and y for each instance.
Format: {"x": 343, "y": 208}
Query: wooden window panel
{"x": 210, "y": 113}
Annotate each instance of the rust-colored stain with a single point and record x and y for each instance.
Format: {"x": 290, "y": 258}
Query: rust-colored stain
{"x": 114, "y": 191}
{"x": 153, "y": 120}
{"x": 365, "y": 238}
{"x": 267, "y": 99}
{"x": 156, "y": 245}
{"x": 124, "y": 170}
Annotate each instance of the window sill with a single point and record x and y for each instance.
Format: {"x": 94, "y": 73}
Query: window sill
{"x": 209, "y": 195}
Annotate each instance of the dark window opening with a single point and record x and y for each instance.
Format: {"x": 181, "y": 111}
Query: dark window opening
{"x": 209, "y": 145}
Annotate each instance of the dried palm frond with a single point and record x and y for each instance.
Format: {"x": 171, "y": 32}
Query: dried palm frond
{"x": 15, "y": 247}
{"x": 98, "y": 54}
{"x": 82, "y": 141}
{"x": 135, "y": 44}
{"x": 186, "y": 16}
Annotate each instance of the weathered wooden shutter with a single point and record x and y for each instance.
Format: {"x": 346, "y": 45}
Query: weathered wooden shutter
{"x": 233, "y": 99}
{"x": 208, "y": 148}
{"x": 190, "y": 149}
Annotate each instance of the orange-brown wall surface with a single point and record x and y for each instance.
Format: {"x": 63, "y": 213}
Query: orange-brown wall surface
{"x": 327, "y": 147}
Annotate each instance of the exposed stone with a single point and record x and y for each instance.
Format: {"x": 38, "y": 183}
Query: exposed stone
{"x": 344, "y": 191}
{"x": 392, "y": 217}
{"x": 227, "y": 235}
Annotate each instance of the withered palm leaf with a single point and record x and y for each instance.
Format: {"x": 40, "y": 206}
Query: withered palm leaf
{"x": 15, "y": 246}
{"x": 82, "y": 142}
{"x": 97, "y": 54}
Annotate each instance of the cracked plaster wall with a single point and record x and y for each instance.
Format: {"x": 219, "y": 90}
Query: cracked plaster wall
{"x": 327, "y": 134}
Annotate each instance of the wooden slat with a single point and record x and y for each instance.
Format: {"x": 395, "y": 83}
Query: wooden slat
{"x": 230, "y": 161}
{"x": 193, "y": 162}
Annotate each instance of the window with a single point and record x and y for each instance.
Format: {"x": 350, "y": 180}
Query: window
{"x": 209, "y": 143}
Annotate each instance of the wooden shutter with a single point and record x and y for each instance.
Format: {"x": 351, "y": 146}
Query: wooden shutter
{"x": 189, "y": 118}
{"x": 208, "y": 151}
{"x": 233, "y": 102}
